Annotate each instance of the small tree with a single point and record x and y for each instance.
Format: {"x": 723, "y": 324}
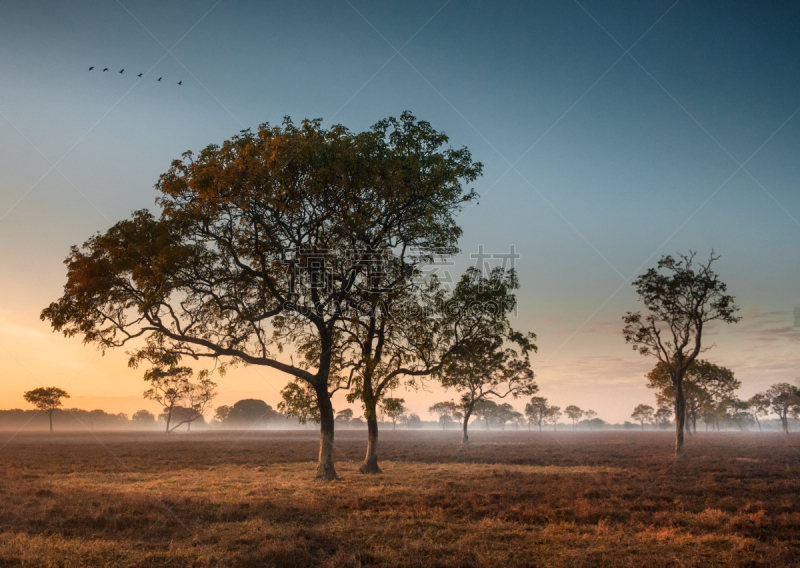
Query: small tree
{"x": 785, "y": 401}
{"x": 759, "y": 406}
{"x": 505, "y": 413}
{"x": 643, "y": 413}
{"x": 448, "y": 411}
{"x": 221, "y": 413}
{"x": 484, "y": 410}
{"x": 171, "y": 388}
{"x": 740, "y": 413}
{"x": 680, "y": 304}
{"x": 589, "y": 414}
{"x": 663, "y": 416}
{"x": 489, "y": 368}
{"x": 393, "y": 408}
{"x": 554, "y": 414}
{"x": 143, "y": 417}
{"x": 536, "y": 411}
{"x": 46, "y": 399}
{"x": 573, "y": 413}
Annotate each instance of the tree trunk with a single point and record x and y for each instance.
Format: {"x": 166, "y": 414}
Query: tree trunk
{"x": 464, "y": 435}
{"x": 325, "y": 469}
{"x": 370, "y": 464}
{"x": 758, "y": 422}
{"x": 50, "y": 414}
{"x": 680, "y": 416}
{"x": 169, "y": 417}
{"x": 189, "y": 426}
{"x": 540, "y": 426}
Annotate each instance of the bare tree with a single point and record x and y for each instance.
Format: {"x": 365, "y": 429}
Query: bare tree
{"x": 680, "y": 304}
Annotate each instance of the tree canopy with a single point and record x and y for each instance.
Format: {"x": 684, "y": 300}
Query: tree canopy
{"x": 260, "y": 245}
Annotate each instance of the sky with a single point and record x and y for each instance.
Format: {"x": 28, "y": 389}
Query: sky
{"x": 611, "y": 133}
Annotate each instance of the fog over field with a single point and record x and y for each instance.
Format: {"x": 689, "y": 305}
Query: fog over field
{"x": 399, "y": 283}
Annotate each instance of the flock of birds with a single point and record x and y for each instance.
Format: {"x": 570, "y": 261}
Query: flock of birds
{"x": 122, "y": 72}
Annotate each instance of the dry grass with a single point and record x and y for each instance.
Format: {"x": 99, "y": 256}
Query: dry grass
{"x": 509, "y": 499}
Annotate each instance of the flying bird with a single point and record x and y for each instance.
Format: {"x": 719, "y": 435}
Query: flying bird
{"x": 159, "y": 78}
{"x": 106, "y": 69}
{"x": 180, "y": 82}
{"x": 139, "y": 75}
{"x": 122, "y": 70}
{"x": 90, "y": 68}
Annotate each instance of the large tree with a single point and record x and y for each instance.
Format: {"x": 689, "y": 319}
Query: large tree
{"x": 259, "y": 246}
{"x": 682, "y": 296}
{"x": 412, "y": 331}
{"x": 46, "y": 399}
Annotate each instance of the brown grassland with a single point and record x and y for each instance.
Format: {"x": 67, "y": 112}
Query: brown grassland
{"x": 508, "y": 499}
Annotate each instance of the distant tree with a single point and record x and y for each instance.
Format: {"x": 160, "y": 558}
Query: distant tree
{"x": 484, "y": 410}
{"x": 680, "y": 303}
{"x": 448, "y": 411}
{"x": 663, "y": 416}
{"x": 171, "y": 388}
{"x": 536, "y": 411}
{"x": 589, "y": 414}
{"x": 740, "y": 414}
{"x": 344, "y": 416}
{"x": 593, "y": 423}
{"x": 643, "y": 413}
{"x": 785, "y": 401}
{"x": 357, "y": 422}
{"x": 143, "y": 417}
{"x": 251, "y": 411}
{"x": 414, "y": 421}
{"x": 759, "y": 406}
{"x": 490, "y": 368}
{"x": 221, "y": 413}
{"x": 505, "y": 413}
{"x": 554, "y": 414}
{"x": 393, "y": 408}
{"x": 46, "y": 399}
{"x": 707, "y": 389}
{"x": 573, "y": 413}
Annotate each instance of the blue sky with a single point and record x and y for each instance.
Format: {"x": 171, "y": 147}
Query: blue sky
{"x": 611, "y": 133}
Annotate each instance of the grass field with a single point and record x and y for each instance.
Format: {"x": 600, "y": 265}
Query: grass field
{"x": 508, "y": 499}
